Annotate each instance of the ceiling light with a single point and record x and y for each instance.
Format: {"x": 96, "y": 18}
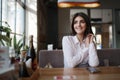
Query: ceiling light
{"x": 78, "y": 3}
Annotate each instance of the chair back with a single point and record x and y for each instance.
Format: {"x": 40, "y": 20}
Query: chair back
{"x": 110, "y": 54}
{"x": 54, "y": 57}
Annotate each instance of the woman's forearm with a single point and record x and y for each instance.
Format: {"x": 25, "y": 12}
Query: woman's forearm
{"x": 93, "y": 57}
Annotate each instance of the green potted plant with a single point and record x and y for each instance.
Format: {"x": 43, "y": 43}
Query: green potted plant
{"x": 17, "y": 45}
{"x": 5, "y": 39}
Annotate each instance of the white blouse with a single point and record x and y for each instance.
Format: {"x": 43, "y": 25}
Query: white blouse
{"x": 76, "y": 53}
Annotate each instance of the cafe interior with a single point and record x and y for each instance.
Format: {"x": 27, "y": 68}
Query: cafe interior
{"x": 48, "y": 21}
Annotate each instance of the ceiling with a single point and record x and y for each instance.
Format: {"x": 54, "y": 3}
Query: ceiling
{"x": 104, "y": 3}
{"x": 50, "y": 3}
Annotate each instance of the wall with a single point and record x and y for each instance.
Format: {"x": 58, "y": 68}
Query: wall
{"x": 52, "y": 23}
{"x": 110, "y": 4}
{"x": 63, "y": 24}
{"x": 41, "y": 25}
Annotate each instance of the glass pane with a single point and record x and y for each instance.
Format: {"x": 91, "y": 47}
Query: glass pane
{"x": 32, "y": 20}
{"x": 4, "y": 9}
{"x": 0, "y": 12}
{"x": 19, "y": 20}
{"x": 11, "y": 14}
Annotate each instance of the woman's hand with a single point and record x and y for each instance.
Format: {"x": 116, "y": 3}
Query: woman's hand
{"x": 89, "y": 39}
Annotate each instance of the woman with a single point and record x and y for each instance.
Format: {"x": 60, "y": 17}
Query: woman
{"x": 79, "y": 49}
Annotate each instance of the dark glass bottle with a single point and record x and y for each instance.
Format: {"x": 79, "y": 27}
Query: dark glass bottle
{"x": 23, "y": 69}
{"x": 31, "y": 52}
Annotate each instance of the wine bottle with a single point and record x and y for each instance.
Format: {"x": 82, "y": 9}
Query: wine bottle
{"x": 22, "y": 68}
{"x": 31, "y": 52}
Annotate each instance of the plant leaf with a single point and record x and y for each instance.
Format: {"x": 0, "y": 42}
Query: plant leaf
{"x": 5, "y": 29}
{"x": 2, "y": 43}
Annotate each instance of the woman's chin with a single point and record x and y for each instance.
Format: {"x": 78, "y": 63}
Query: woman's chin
{"x": 80, "y": 32}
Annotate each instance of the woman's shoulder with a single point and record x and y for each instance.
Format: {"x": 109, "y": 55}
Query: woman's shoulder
{"x": 68, "y": 40}
{"x": 68, "y": 37}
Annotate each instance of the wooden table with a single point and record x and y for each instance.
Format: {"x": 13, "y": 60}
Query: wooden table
{"x": 106, "y": 73}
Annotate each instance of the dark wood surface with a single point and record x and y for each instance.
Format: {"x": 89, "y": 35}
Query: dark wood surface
{"x": 106, "y": 73}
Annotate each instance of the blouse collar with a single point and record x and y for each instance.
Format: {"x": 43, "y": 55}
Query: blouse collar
{"x": 76, "y": 40}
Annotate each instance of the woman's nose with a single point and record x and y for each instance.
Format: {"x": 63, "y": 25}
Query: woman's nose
{"x": 79, "y": 23}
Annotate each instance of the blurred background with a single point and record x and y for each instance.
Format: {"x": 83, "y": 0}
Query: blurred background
{"x": 48, "y": 23}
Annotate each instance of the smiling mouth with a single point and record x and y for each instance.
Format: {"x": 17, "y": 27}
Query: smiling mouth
{"x": 79, "y": 28}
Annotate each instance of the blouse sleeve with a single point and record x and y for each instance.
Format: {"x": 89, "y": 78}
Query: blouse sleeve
{"x": 93, "y": 58}
{"x": 71, "y": 59}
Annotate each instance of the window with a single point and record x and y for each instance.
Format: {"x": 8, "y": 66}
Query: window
{"x": 31, "y": 24}
{"x": 22, "y": 18}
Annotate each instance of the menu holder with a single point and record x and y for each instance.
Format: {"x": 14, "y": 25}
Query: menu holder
{"x": 4, "y": 60}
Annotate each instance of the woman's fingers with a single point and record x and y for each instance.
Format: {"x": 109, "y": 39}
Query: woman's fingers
{"x": 90, "y": 37}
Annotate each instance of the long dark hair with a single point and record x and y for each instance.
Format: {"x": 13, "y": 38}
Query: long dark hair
{"x": 87, "y": 21}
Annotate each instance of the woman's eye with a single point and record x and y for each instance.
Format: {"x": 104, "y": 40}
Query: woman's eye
{"x": 75, "y": 22}
{"x": 82, "y": 21}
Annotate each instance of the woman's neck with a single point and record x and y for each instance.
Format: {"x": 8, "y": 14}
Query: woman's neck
{"x": 80, "y": 38}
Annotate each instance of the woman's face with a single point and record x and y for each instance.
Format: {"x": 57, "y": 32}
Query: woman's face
{"x": 79, "y": 25}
